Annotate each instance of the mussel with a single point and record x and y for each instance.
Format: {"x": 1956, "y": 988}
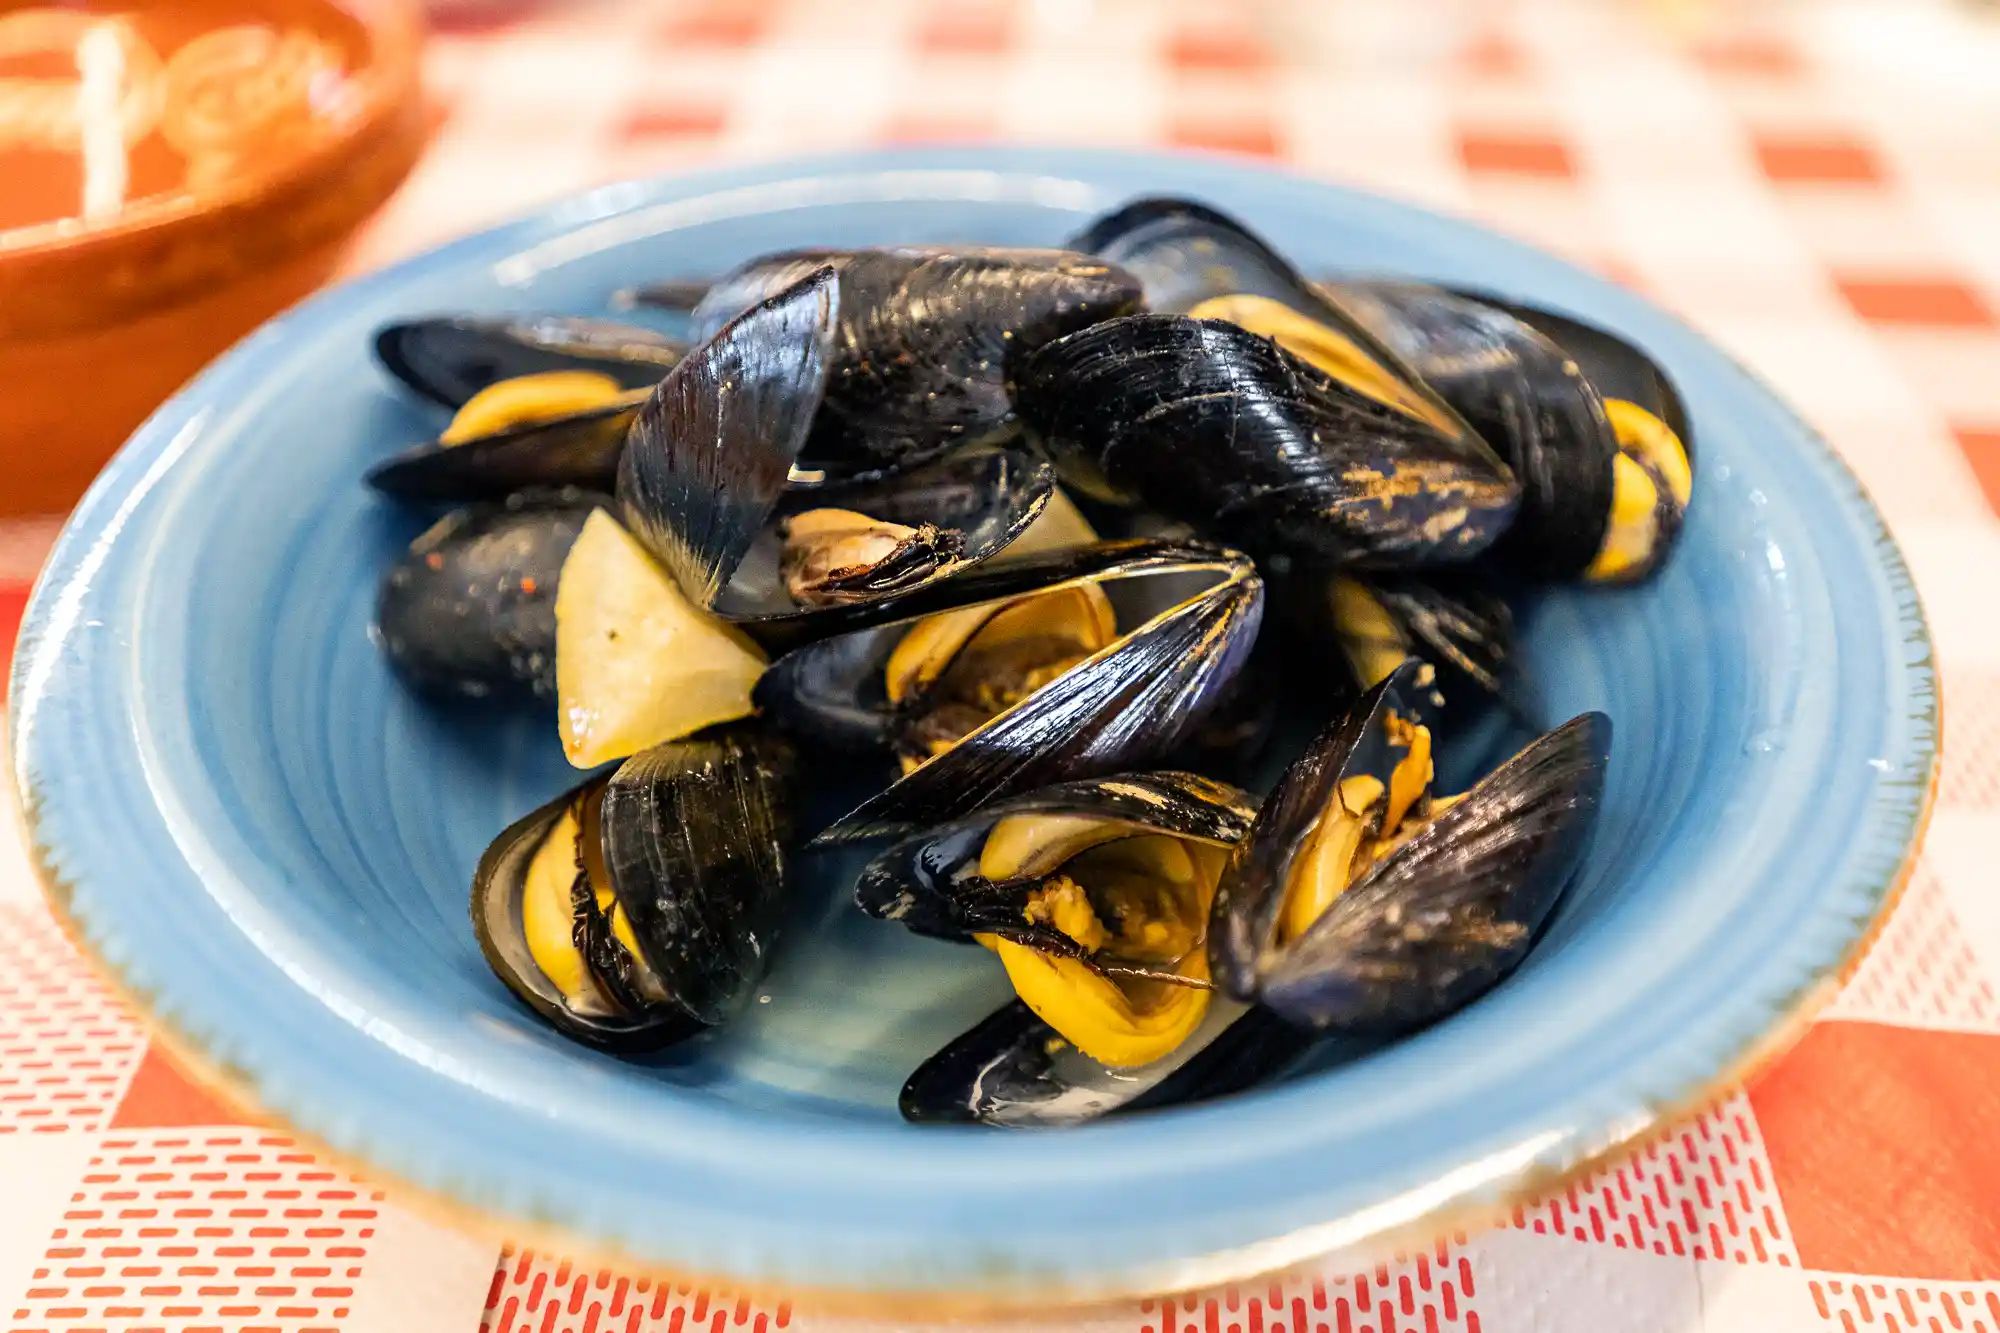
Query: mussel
{"x": 538, "y": 401}
{"x": 1362, "y": 902}
{"x": 642, "y": 907}
{"x": 1091, "y": 894}
{"x": 1593, "y": 429}
{"x": 1094, "y": 895}
{"x": 1375, "y": 621}
{"x": 1197, "y": 261}
{"x": 1015, "y": 1071}
{"x": 708, "y": 480}
{"x": 927, "y": 337}
{"x": 1225, "y": 429}
{"x": 1060, "y": 665}
{"x": 451, "y": 358}
{"x": 470, "y": 608}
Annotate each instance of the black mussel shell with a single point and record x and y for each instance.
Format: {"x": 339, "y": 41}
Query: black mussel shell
{"x": 1194, "y": 609}
{"x": 1186, "y": 253}
{"x": 758, "y": 280}
{"x": 928, "y": 882}
{"x": 497, "y": 887}
{"x": 701, "y": 465}
{"x": 1436, "y": 922}
{"x": 1233, "y": 741}
{"x": 1455, "y": 621}
{"x": 926, "y": 341}
{"x": 1014, "y": 1071}
{"x": 711, "y": 451}
{"x": 449, "y": 358}
{"x": 469, "y": 609}
{"x": 982, "y": 498}
{"x": 580, "y": 449}
{"x": 1526, "y": 396}
{"x": 1226, "y": 430}
{"x": 709, "y": 303}
{"x": 1615, "y": 367}
{"x": 694, "y": 836}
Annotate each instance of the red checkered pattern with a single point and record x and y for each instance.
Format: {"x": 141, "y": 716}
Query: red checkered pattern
{"x": 1818, "y": 188}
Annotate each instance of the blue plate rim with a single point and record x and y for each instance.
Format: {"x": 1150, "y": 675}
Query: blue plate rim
{"x": 1652, "y": 1095}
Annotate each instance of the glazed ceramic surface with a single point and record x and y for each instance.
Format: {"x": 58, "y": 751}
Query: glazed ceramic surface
{"x": 270, "y": 842}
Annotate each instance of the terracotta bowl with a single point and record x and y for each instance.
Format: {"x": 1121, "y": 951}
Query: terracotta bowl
{"x": 177, "y": 171}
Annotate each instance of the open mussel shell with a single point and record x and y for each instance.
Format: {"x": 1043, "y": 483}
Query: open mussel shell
{"x": 1228, "y": 431}
{"x": 1377, "y": 620}
{"x": 1188, "y": 613}
{"x": 449, "y": 358}
{"x": 715, "y": 303}
{"x": 929, "y": 883}
{"x": 690, "y": 843}
{"x": 927, "y": 338}
{"x": 712, "y": 450}
{"x": 1196, "y": 260}
{"x": 972, "y": 504}
{"x": 1624, "y": 374}
{"x": 707, "y": 481}
{"x": 1615, "y": 367}
{"x": 578, "y": 449}
{"x": 469, "y": 609}
{"x": 1535, "y": 385}
{"x": 1443, "y": 914}
{"x": 1014, "y": 1071}
{"x": 1526, "y": 396}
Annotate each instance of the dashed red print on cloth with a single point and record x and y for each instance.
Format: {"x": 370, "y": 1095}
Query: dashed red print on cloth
{"x": 1969, "y": 776}
{"x": 234, "y": 1229}
{"x": 1921, "y": 969}
{"x": 535, "y": 1294}
{"x": 1431, "y": 1292}
{"x": 1705, "y": 1191}
{"x": 67, "y": 1046}
{"x": 1854, "y": 1304}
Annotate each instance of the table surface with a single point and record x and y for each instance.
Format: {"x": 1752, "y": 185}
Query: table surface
{"x": 1818, "y": 188}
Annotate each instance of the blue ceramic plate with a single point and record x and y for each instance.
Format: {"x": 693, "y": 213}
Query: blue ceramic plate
{"x": 268, "y": 842}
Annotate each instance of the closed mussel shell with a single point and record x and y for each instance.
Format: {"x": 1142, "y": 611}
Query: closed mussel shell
{"x": 1185, "y": 614}
{"x": 1449, "y": 904}
{"x": 469, "y": 609}
{"x": 661, "y": 921}
{"x": 1224, "y": 429}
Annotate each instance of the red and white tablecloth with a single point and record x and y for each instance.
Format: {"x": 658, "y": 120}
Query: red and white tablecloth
{"x": 1817, "y": 187}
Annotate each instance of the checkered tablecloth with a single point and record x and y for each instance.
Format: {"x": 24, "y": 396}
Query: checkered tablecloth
{"x": 1817, "y": 187}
